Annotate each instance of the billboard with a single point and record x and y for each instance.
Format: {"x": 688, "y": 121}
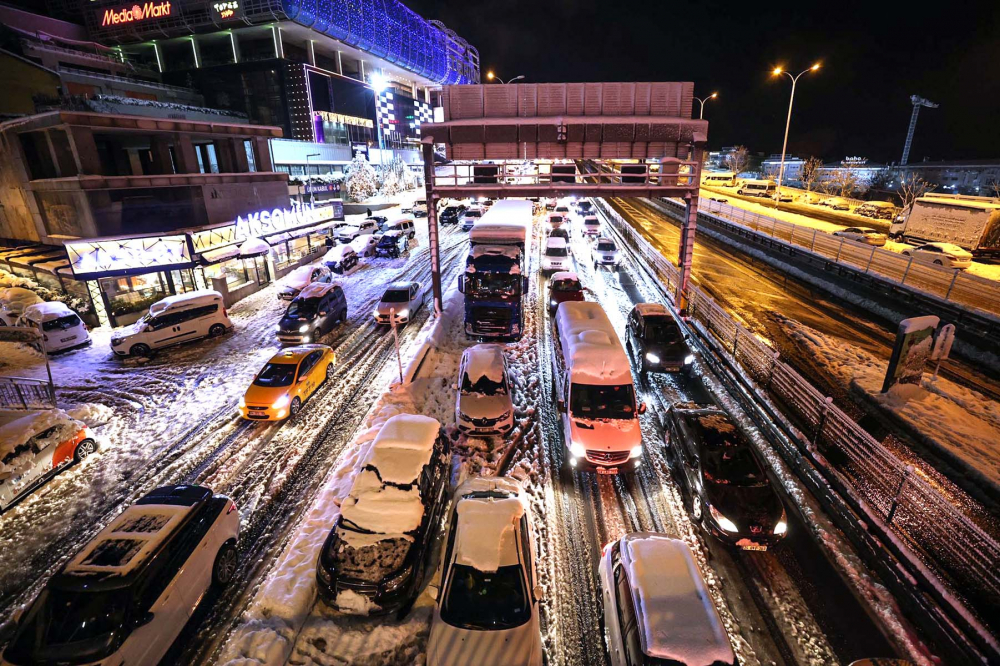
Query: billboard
{"x": 914, "y": 344}
{"x": 135, "y": 13}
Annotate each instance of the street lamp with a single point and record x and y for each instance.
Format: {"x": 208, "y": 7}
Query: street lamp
{"x": 378, "y": 84}
{"x": 777, "y": 72}
{"x": 701, "y": 114}
{"x": 312, "y": 194}
{"x": 491, "y": 76}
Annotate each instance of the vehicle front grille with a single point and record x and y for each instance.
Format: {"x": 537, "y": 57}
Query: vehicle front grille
{"x": 607, "y": 457}
{"x": 482, "y": 423}
{"x": 361, "y": 587}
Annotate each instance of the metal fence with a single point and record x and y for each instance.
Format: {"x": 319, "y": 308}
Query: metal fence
{"x": 951, "y": 285}
{"x": 24, "y": 393}
{"x": 935, "y": 532}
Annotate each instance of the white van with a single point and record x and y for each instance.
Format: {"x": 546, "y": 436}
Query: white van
{"x": 404, "y": 224}
{"x": 420, "y": 208}
{"x": 173, "y": 320}
{"x": 756, "y": 188}
{"x": 61, "y": 328}
{"x": 718, "y": 178}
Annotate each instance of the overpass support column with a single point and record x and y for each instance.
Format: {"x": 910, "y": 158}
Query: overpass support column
{"x": 688, "y": 226}
{"x": 432, "y": 224}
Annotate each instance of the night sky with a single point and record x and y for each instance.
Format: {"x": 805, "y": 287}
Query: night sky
{"x": 875, "y": 55}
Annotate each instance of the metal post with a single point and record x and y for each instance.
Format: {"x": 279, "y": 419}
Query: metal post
{"x": 432, "y": 224}
{"x": 822, "y": 419}
{"x": 870, "y": 259}
{"x": 899, "y": 491}
{"x": 812, "y": 246}
{"x": 686, "y": 251}
{"x": 902, "y": 280}
{"x": 836, "y": 259}
{"x": 395, "y": 340}
{"x": 951, "y": 286}
{"x": 784, "y": 145}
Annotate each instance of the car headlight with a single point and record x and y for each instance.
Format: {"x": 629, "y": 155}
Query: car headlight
{"x": 277, "y": 327}
{"x": 720, "y": 520}
{"x": 652, "y": 358}
{"x": 636, "y": 451}
{"x": 552, "y": 302}
{"x": 577, "y": 450}
{"x": 323, "y": 574}
{"x": 115, "y": 342}
{"x": 303, "y": 328}
{"x": 375, "y": 313}
{"x": 281, "y": 402}
{"x": 402, "y": 314}
{"x": 689, "y": 359}
{"x": 504, "y": 416}
{"x": 397, "y": 581}
{"x": 243, "y": 401}
{"x": 781, "y": 527}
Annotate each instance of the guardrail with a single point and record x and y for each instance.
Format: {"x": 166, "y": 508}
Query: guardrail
{"x": 953, "y": 559}
{"x": 948, "y": 284}
{"x": 25, "y": 393}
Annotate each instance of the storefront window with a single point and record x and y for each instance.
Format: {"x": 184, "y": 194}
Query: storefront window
{"x": 235, "y": 271}
{"x": 281, "y": 257}
{"x": 260, "y": 268}
{"x": 298, "y": 248}
{"x": 134, "y": 294}
{"x": 183, "y": 281}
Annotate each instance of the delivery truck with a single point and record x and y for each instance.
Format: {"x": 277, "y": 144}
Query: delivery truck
{"x": 972, "y": 223}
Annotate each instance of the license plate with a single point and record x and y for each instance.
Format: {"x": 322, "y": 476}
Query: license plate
{"x": 607, "y": 470}
{"x": 746, "y": 544}
{"x": 253, "y": 413}
{"x": 72, "y": 337}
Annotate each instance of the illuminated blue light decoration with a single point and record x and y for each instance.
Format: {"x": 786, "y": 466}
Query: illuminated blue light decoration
{"x": 391, "y": 31}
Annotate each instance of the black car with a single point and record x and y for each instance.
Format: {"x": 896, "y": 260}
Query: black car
{"x": 387, "y": 568}
{"x": 379, "y": 220}
{"x": 654, "y": 340}
{"x": 392, "y": 244}
{"x": 312, "y": 314}
{"x": 723, "y": 477}
{"x": 451, "y": 214}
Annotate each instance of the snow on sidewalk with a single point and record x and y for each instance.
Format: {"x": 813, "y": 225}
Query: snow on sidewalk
{"x": 963, "y": 423}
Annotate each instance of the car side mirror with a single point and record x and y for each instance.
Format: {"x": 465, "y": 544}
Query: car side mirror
{"x": 461, "y": 284}
{"x": 142, "y": 620}
{"x": 561, "y": 404}
{"x": 642, "y": 408}
{"x": 454, "y": 387}
{"x": 539, "y": 592}
{"x": 323, "y": 313}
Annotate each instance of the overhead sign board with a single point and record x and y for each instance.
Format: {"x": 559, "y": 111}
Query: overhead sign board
{"x": 102, "y": 258}
{"x": 135, "y": 13}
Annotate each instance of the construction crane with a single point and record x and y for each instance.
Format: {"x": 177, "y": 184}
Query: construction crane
{"x": 917, "y": 102}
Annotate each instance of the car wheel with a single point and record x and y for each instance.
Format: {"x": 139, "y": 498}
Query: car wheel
{"x": 216, "y": 330}
{"x": 139, "y": 350}
{"x": 343, "y": 316}
{"x": 84, "y": 449}
{"x": 224, "y": 569}
{"x": 907, "y": 254}
{"x": 696, "y": 509}
{"x": 329, "y": 372}
{"x": 296, "y": 405}
{"x": 938, "y": 262}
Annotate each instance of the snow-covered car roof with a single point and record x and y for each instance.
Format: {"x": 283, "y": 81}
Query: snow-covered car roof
{"x": 361, "y": 241}
{"x": 48, "y": 310}
{"x": 393, "y": 233}
{"x": 19, "y": 295}
{"x": 564, "y": 275}
{"x": 484, "y": 361}
{"x": 403, "y": 446}
{"x": 20, "y": 429}
{"x": 860, "y": 230}
{"x": 486, "y": 528}
{"x": 393, "y": 286}
{"x": 337, "y": 253}
{"x": 317, "y": 289}
{"x": 879, "y": 204}
{"x": 590, "y": 344}
{"x": 950, "y": 247}
{"x": 556, "y": 242}
{"x": 400, "y": 220}
{"x": 208, "y": 295}
{"x": 652, "y": 309}
{"x": 300, "y": 274}
{"x": 676, "y": 617}
{"x": 499, "y": 233}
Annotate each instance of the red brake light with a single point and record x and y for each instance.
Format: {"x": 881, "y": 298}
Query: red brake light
{"x": 231, "y": 508}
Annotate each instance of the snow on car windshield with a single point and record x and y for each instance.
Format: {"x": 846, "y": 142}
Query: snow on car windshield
{"x": 61, "y": 324}
{"x": 276, "y": 374}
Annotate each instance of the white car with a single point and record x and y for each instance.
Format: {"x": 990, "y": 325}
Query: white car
{"x": 405, "y": 298}
{"x": 364, "y": 246}
{"x": 941, "y": 254}
{"x": 557, "y": 255}
{"x": 297, "y": 280}
{"x": 484, "y": 406}
{"x": 470, "y": 217}
{"x": 834, "y": 203}
{"x": 60, "y": 327}
{"x": 13, "y": 300}
{"x": 420, "y": 208}
{"x": 656, "y": 606}
{"x": 125, "y": 597}
{"x": 36, "y": 446}
{"x": 487, "y": 610}
{"x": 556, "y": 220}
{"x": 348, "y": 233}
{"x": 605, "y": 254}
{"x": 173, "y": 320}
{"x": 591, "y": 226}
{"x": 863, "y": 235}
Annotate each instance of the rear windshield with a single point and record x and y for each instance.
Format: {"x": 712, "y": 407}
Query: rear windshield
{"x": 276, "y": 374}
{"x": 396, "y": 296}
{"x": 473, "y": 213}
{"x": 565, "y": 285}
{"x": 61, "y": 324}
{"x": 606, "y": 246}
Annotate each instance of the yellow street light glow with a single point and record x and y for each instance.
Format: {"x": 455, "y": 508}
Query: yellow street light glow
{"x": 489, "y": 75}
{"x": 777, "y": 70}
{"x": 815, "y": 67}
{"x": 714, "y": 95}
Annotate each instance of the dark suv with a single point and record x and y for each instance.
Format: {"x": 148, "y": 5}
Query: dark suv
{"x": 451, "y": 215}
{"x": 381, "y": 555}
{"x": 654, "y": 340}
{"x": 392, "y": 244}
{"x": 313, "y": 314}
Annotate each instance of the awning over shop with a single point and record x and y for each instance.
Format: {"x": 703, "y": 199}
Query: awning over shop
{"x": 221, "y": 254}
{"x": 254, "y": 247}
{"x": 274, "y": 239}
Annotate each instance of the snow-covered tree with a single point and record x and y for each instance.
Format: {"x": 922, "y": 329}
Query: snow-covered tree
{"x": 912, "y": 187}
{"x": 738, "y": 159}
{"x": 810, "y": 171}
{"x": 360, "y": 179}
{"x": 389, "y": 180}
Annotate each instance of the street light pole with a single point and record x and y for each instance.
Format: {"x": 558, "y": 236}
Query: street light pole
{"x": 788, "y": 121}
{"x": 312, "y": 193}
{"x": 491, "y": 76}
{"x": 701, "y": 114}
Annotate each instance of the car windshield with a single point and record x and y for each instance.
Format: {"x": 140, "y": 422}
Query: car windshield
{"x": 562, "y": 209}
{"x": 556, "y": 219}
{"x": 473, "y": 213}
{"x": 495, "y": 284}
{"x": 396, "y": 296}
{"x": 61, "y": 324}
{"x": 70, "y": 627}
{"x": 486, "y": 601}
{"x": 732, "y": 466}
{"x": 303, "y": 308}
{"x": 602, "y": 402}
{"x": 484, "y": 385}
{"x": 366, "y": 562}
{"x": 276, "y": 374}
{"x": 555, "y": 251}
{"x": 662, "y": 329}
{"x": 606, "y": 246}
{"x": 566, "y": 285}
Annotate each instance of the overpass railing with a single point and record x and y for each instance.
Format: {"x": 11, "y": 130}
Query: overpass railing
{"x": 25, "y": 393}
{"x": 952, "y": 557}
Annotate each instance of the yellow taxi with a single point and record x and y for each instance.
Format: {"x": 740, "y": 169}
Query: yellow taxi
{"x": 286, "y": 381}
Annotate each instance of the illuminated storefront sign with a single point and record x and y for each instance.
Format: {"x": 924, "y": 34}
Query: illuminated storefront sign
{"x": 135, "y": 13}
{"x": 341, "y": 119}
{"x": 229, "y": 9}
{"x": 105, "y": 257}
{"x": 262, "y": 223}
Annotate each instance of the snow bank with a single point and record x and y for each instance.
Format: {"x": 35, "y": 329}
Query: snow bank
{"x": 485, "y": 534}
{"x": 91, "y": 413}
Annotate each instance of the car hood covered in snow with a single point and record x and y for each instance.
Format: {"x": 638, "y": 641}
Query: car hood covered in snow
{"x": 606, "y": 435}
{"x": 479, "y": 406}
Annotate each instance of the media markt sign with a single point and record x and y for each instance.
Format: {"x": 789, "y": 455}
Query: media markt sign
{"x": 137, "y": 12}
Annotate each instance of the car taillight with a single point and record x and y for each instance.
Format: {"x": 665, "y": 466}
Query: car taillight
{"x": 231, "y": 508}
{"x": 225, "y": 312}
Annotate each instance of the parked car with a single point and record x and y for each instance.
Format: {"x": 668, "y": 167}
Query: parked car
{"x": 564, "y": 286}
{"x": 723, "y": 478}
{"x": 60, "y": 327}
{"x": 654, "y": 340}
{"x": 13, "y": 300}
{"x": 719, "y": 199}
{"x": 173, "y": 320}
{"x": 656, "y": 607}
{"x": 941, "y": 254}
{"x": 591, "y": 226}
{"x": 561, "y": 232}
{"x": 403, "y": 297}
{"x": 487, "y": 605}
{"x": 126, "y": 595}
{"x": 835, "y": 203}
{"x": 879, "y": 210}
{"x": 286, "y": 381}
{"x": 470, "y": 217}
{"x": 783, "y": 197}
{"x": 484, "y": 404}
{"x": 556, "y": 220}
{"x": 341, "y": 259}
{"x": 37, "y": 446}
{"x": 451, "y": 214}
{"x": 404, "y": 224}
{"x": 313, "y": 314}
{"x": 349, "y": 232}
{"x": 374, "y": 558}
{"x": 550, "y": 204}
{"x": 380, "y": 220}
{"x": 420, "y": 208}
{"x": 392, "y": 244}
{"x": 364, "y": 246}
{"x": 605, "y": 254}
{"x": 585, "y": 207}
{"x": 862, "y": 235}
{"x": 556, "y": 256}
{"x": 302, "y": 276}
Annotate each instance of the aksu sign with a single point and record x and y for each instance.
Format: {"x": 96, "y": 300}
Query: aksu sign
{"x": 135, "y": 13}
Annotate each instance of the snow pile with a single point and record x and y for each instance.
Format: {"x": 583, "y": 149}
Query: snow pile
{"x": 403, "y": 446}
{"x": 336, "y": 254}
{"x": 961, "y": 423}
{"x": 485, "y": 534}
{"x": 254, "y": 246}
{"x": 14, "y": 435}
{"x": 484, "y": 361}
{"x": 91, "y": 413}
